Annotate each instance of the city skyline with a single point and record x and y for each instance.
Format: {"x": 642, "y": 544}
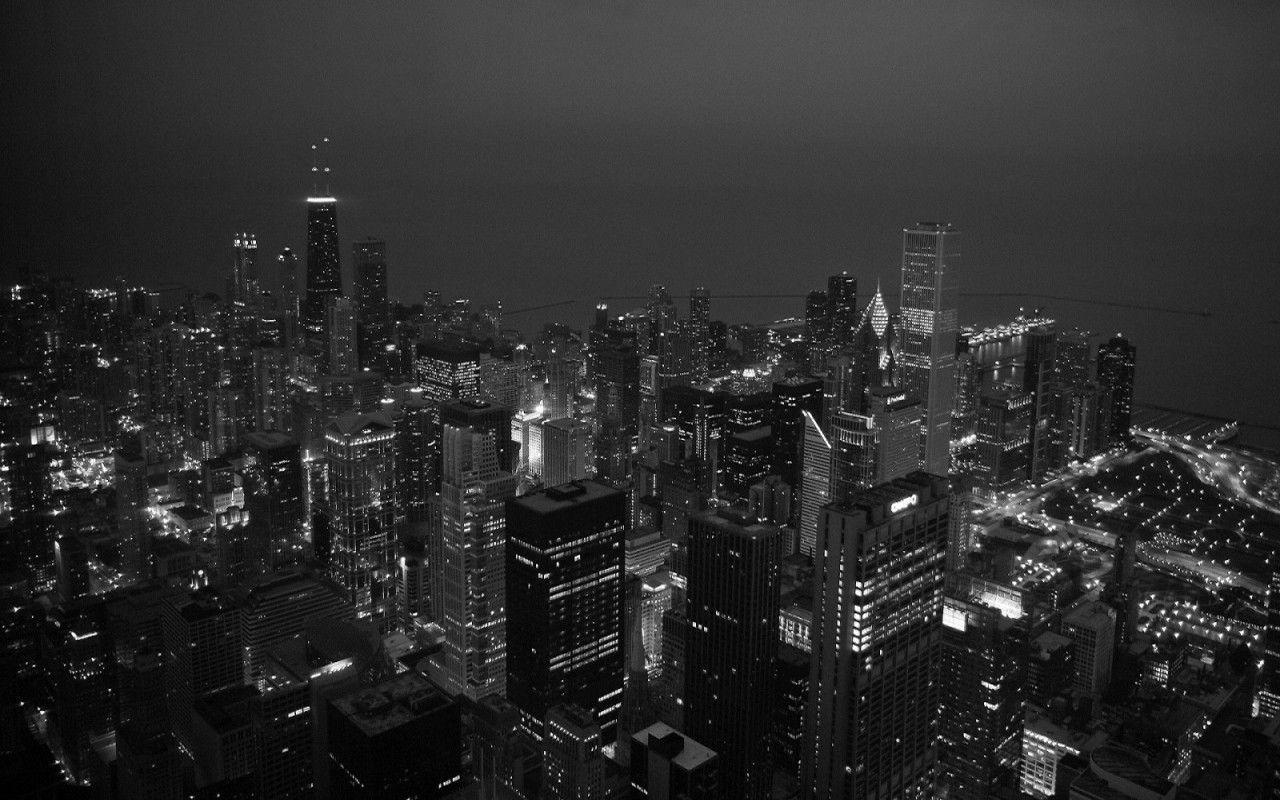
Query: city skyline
{"x": 560, "y": 401}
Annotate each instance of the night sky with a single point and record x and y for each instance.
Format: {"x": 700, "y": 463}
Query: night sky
{"x": 546, "y": 151}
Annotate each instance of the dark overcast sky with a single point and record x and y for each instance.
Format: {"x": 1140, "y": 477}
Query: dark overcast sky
{"x": 534, "y": 151}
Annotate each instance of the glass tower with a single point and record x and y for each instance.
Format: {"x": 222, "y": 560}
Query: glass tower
{"x": 930, "y": 256}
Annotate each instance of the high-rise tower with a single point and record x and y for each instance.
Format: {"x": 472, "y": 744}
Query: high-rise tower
{"x": 471, "y": 563}
{"x": 565, "y": 599}
{"x": 324, "y": 263}
{"x": 1115, "y": 371}
{"x": 930, "y": 258}
{"x": 732, "y": 642}
{"x": 370, "y": 267}
{"x": 700, "y": 333}
{"x": 877, "y": 634}
{"x": 244, "y": 269}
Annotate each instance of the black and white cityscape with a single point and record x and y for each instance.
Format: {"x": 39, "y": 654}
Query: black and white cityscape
{"x": 320, "y": 514}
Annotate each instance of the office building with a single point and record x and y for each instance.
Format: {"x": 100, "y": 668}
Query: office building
{"x": 815, "y": 481}
{"x": 1002, "y": 458}
{"x": 1091, "y": 627}
{"x": 1115, "y": 371}
{"x": 572, "y": 760}
{"x": 470, "y": 564}
{"x": 984, "y": 657}
{"x": 700, "y": 333}
{"x": 732, "y": 607}
{"x": 791, "y": 396}
{"x": 565, "y": 568}
{"x": 447, "y": 371}
{"x": 340, "y": 330}
{"x": 930, "y": 261}
{"x": 201, "y": 633}
{"x": 398, "y": 738}
{"x": 324, "y": 264}
{"x": 278, "y": 607}
{"x": 566, "y": 451}
{"x": 358, "y": 511}
{"x": 842, "y": 304}
{"x": 369, "y": 265}
{"x": 877, "y": 628}
{"x": 895, "y": 417}
{"x": 243, "y": 284}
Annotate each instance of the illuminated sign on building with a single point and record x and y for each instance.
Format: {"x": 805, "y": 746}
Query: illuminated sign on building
{"x": 899, "y": 506}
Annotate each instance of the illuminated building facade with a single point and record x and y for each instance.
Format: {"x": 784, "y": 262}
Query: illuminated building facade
{"x": 572, "y": 760}
{"x": 565, "y": 602}
{"x": 340, "y": 328}
{"x": 324, "y": 264}
{"x": 1004, "y": 438}
{"x": 470, "y": 568}
{"x": 791, "y": 396}
{"x": 1115, "y": 371}
{"x": 842, "y": 303}
{"x": 244, "y": 268}
{"x": 700, "y": 334}
{"x": 815, "y": 481}
{"x": 359, "y": 510}
{"x": 447, "y": 371}
{"x": 732, "y": 607}
{"x": 930, "y": 261}
{"x": 877, "y": 630}
{"x": 566, "y": 451}
{"x": 983, "y": 695}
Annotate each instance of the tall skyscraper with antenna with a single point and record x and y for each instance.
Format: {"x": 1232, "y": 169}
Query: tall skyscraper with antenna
{"x": 324, "y": 264}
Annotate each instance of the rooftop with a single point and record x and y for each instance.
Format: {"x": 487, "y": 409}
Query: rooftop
{"x": 678, "y": 748}
{"x": 392, "y": 703}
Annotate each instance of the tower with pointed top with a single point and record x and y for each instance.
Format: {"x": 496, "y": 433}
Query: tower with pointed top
{"x": 324, "y": 264}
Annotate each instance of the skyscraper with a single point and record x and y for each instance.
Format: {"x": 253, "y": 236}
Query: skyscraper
{"x": 565, "y": 451}
{"x": 324, "y": 263}
{"x": 1115, "y": 371}
{"x": 286, "y": 281}
{"x": 815, "y": 481}
{"x": 842, "y": 300}
{"x": 471, "y": 563}
{"x": 369, "y": 258}
{"x": 565, "y": 569}
{"x": 791, "y": 396}
{"x": 984, "y": 663}
{"x": 732, "y": 642}
{"x": 340, "y": 331}
{"x": 877, "y": 618}
{"x": 930, "y": 258}
{"x": 244, "y": 269}
{"x": 700, "y": 333}
{"x": 359, "y": 510}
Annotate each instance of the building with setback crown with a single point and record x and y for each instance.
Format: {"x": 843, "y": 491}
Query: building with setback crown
{"x": 359, "y": 510}
{"x": 732, "y": 607}
{"x": 930, "y": 257}
{"x": 565, "y": 570}
{"x": 877, "y": 629}
{"x": 471, "y": 563}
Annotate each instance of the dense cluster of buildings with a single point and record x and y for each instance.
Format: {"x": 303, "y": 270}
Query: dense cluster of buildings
{"x": 297, "y": 540}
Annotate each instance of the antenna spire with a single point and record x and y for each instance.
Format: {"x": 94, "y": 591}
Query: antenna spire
{"x": 320, "y": 165}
